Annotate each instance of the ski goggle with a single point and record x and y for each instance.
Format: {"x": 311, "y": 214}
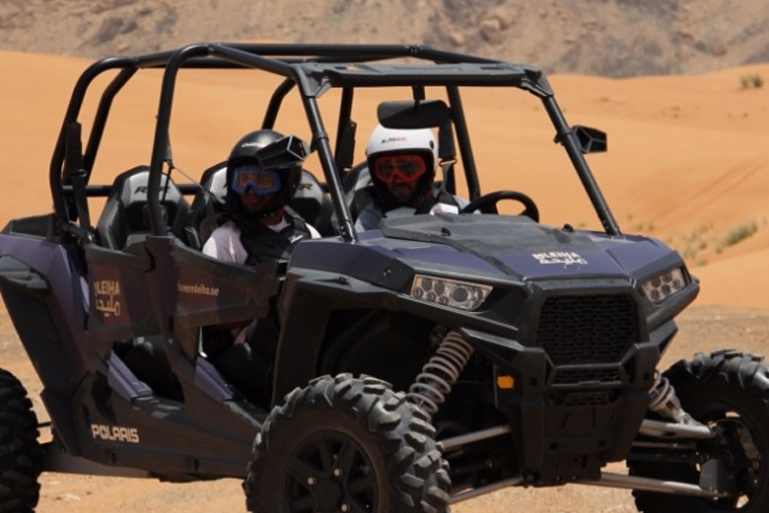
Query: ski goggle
{"x": 407, "y": 168}
{"x": 262, "y": 182}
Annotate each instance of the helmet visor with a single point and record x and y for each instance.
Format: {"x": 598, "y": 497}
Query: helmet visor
{"x": 405, "y": 168}
{"x": 262, "y": 182}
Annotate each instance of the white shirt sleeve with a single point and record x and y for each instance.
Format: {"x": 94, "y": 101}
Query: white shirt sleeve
{"x": 314, "y": 233}
{"x": 224, "y": 244}
{"x": 444, "y": 208}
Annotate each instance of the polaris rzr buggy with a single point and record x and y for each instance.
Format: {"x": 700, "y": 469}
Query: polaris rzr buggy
{"x": 423, "y": 363}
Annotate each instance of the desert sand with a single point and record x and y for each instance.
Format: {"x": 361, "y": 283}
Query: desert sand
{"x": 688, "y": 163}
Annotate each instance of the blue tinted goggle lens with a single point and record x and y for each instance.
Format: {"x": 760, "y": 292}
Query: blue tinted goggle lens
{"x": 262, "y": 182}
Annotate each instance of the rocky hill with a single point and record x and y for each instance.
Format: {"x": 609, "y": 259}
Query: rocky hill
{"x": 599, "y": 37}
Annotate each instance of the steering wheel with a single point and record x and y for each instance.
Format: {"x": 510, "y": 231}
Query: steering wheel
{"x": 487, "y": 204}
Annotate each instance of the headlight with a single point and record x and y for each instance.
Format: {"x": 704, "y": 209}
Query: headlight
{"x": 663, "y": 286}
{"x": 455, "y": 293}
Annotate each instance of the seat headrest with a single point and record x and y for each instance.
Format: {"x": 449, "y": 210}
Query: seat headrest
{"x": 313, "y": 203}
{"x": 125, "y": 212}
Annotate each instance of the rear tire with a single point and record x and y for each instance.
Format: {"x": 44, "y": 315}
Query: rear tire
{"x": 20, "y": 452}
{"x": 728, "y": 391}
{"x": 347, "y": 445}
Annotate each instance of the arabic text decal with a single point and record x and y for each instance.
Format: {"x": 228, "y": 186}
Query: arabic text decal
{"x": 107, "y": 297}
{"x": 559, "y": 258}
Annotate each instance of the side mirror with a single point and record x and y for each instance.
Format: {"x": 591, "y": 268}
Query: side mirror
{"x": 591, "y": 140}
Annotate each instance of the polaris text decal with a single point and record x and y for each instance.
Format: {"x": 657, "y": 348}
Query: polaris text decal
{"x": 559, "y": 258}
{"x": 106, "y": 295}
{"x": 200, "y": 289}
{"x": 115, "y": 433}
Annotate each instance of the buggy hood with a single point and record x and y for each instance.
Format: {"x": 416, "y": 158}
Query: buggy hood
{"x": 486, "y": 247}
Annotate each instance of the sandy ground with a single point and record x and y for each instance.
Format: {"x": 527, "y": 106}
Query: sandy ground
{"x": 688, "y": 163}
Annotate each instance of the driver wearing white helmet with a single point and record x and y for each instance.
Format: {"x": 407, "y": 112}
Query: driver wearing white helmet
{"x": 402, "y": 167}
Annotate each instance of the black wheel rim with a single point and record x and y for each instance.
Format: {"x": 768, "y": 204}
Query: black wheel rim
{"x": 743, "y": 454}
{"x": 330, "y": 472}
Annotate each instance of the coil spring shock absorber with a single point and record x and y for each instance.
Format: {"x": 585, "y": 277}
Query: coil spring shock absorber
{"x": 440, "y": 373}
{"x": 665, "y": 401}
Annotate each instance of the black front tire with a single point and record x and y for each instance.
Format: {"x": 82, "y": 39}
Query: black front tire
{"x": 347, "y": 444}
{"x": 729, "y": 392}
{"x": 19, "y": 448}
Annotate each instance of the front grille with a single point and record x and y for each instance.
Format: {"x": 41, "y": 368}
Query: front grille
{"x": 577, "y": 376}
{"x": 587, "y": 399}
{"x": 578, "y": 330}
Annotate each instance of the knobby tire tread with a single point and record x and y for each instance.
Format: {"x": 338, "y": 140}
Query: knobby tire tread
{"x": 20, "y": 452}
{"x": 403, "y": 432}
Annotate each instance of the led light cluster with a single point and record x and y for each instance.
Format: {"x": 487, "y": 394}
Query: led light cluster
{"x": 454, "y": 293}
{"x": 663, "y": 286}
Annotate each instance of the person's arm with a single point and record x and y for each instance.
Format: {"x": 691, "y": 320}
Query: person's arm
{"x": 444, "y": 208}
{"x": 369, "y": 218}
{"x": 224, "y": 244}
{"x": 314, "y": 233}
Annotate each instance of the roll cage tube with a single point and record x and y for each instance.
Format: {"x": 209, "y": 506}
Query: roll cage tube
{"x": 345, "y": 132}
{"x": 57, "y": 171}
{"x": 333, "y": 182}
{"x": 463, "y": 139}
{"x": 322, "y": 144}
{"x": 314, "y": 69}
{"x": 100, "y": 120}
{"x": 238, "y": 56}
{"x": 566, "y": 136}
{"x": 345, "y": 110}
{"x": 58, "y": 174}
{"x": 276, "y": 100}
{"x": 129, "y": 65}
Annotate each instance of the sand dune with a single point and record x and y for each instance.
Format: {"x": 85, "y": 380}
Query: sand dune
{"x": 687, "y": 162}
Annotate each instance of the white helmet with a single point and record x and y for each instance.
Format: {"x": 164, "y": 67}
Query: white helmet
{"x": 395, "y": 140}
{"x": 388, "y": 141}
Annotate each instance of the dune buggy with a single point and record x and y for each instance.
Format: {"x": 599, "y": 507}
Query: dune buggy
{"x": 423, "y": 363}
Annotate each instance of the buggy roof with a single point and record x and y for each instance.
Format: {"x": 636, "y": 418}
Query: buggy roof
{"x": 439, "y": 74}
{"x": 356, "y": 65}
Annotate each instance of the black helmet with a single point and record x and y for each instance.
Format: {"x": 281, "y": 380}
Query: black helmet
{"x": 268, "y": 150}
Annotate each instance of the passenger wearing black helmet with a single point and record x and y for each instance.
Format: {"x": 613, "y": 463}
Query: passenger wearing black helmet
{"x": 402, "y": 167}
{"x": 263, "y": 173}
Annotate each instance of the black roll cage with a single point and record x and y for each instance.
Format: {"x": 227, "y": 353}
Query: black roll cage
{"x": 313, "y": 69}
